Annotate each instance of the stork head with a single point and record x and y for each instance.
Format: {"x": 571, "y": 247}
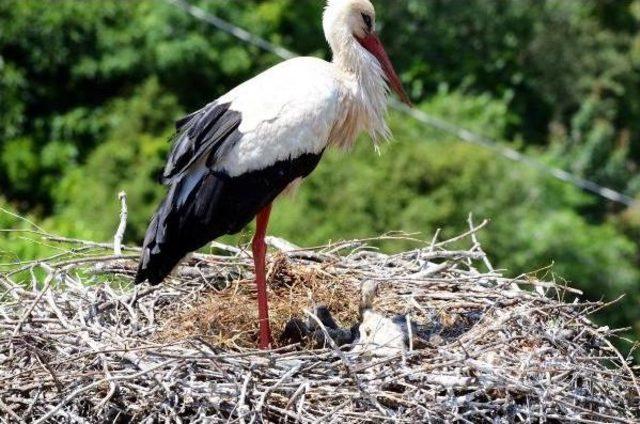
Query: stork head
{"x": 350, "y": 29}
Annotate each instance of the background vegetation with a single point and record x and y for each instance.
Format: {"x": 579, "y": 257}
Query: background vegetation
{"x": 89, "y": 90}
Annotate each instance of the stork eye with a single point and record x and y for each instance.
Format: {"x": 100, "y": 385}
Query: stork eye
{"x": 367, "y": 21}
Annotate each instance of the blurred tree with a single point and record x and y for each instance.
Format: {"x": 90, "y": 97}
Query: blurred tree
{"x": 130, "y": 158}
{"x": 61, "y": 62}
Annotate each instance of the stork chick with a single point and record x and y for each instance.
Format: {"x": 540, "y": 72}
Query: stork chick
{"x": 381, "y": 336}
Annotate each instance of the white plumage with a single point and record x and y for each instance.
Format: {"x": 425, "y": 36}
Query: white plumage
{"x": 286, "y": 111}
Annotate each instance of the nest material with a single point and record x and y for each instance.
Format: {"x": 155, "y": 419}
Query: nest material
{"x": 79, "y": 344}
{"x": 227, "y": 317}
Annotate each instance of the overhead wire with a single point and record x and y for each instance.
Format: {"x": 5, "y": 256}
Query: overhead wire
{"x": 417, "y": 114}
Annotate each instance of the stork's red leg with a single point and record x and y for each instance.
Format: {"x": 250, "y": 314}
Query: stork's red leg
{"x": 259, "y": 248}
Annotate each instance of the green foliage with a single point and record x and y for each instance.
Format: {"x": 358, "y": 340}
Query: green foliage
{"x": 593, "y": 148}
{"x": 129, "y": 159}
{"x": 17, "y": 243}
{"x": 79, "y": 56}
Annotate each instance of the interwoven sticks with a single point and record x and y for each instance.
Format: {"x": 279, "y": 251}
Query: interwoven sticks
{"x": 80, "y": 344}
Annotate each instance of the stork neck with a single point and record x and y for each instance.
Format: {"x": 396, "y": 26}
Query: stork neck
{"x": 367, "y": 86}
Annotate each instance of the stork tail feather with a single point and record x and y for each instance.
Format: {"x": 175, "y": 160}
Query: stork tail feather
{"x": 203, "y": 205}
{"x": 184, "y": 222}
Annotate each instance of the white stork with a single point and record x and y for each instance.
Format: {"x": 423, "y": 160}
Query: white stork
{"x": 233, "y": 157}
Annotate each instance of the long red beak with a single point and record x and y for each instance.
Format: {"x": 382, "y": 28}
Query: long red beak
{"x": 373, "y": 44}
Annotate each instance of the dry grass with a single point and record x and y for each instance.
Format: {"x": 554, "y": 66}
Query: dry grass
{"x": 228, "y": 317}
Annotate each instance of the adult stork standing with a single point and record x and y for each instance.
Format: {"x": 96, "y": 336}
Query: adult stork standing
{"x": 233, "y": 157}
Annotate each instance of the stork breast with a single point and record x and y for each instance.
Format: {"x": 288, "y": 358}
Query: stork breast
{"x": 286, "y": 112}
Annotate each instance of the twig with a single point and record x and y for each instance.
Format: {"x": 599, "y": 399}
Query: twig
{"x": 117, "y": 238}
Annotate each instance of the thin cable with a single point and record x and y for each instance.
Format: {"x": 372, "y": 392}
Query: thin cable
{"x": 513, "y": 154}
{"x": 236, "y": 31}
{"x": 420, "y": 116}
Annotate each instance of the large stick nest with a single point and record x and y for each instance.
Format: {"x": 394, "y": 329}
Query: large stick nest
{"x": 80, "y": 344}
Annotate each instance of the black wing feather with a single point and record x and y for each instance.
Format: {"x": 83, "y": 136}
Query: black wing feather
{"x": 205, "y": 134}
{"x": 204, "y": 205}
